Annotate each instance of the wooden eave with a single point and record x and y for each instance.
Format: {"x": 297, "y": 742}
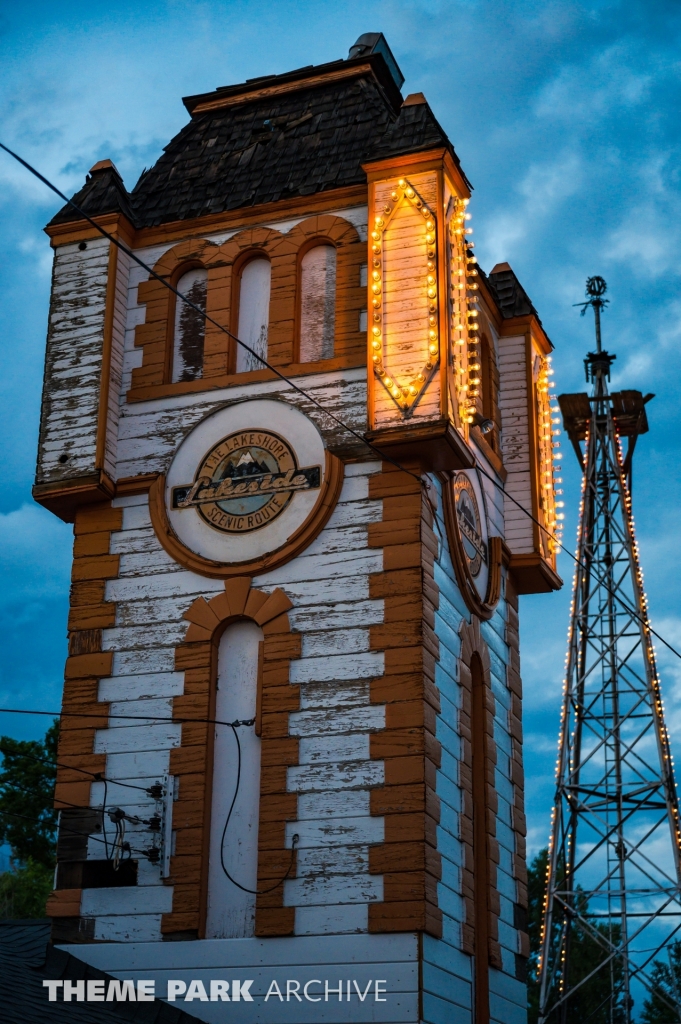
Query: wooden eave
{"x": 427, "y": 160}
{"x": 265, "y": 91}
{"x": 528, "y": 324}
{"x": 116, "y": 224}
{"x": 65, "y": 497}
{"x": 178, "y": 230}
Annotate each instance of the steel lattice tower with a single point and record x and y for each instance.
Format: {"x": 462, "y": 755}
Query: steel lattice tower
{"x": 613, "y": 890}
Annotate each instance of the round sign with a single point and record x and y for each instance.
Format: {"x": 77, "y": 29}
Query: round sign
{"x": 471, "y": 519}
{"x": 244, "y": 480}
{"x": 470, "y": 524}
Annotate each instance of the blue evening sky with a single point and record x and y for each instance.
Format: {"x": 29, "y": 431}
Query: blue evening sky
{"x": 566, "y": 118}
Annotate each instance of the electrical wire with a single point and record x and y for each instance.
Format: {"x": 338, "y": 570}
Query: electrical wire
{"x": 64, "y": 828}
{"x": 294, "y": 841}
{"x": 282, "y": 376}
{"x": 205, "y": 316}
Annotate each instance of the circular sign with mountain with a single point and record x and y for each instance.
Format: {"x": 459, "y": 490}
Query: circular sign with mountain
{"x": 248, "y": 485}
{"x": 470, "y": 524}
{"x": 245, "y": 481}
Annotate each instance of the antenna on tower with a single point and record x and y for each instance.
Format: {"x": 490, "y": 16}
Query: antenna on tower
{"x": 613, "y": 890}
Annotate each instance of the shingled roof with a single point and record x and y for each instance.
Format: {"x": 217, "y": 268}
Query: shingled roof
{"x": 272, "y": 138}
{"x": 27, "y": 959}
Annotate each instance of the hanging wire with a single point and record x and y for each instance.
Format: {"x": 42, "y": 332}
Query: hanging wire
{"x": 294, "y": 841}
{"x": 282, "y": 376}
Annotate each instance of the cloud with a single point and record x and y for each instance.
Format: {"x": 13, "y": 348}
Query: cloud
{"x": 35, "y": 559}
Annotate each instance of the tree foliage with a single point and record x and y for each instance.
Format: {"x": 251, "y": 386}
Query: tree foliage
{"x": 28, "y": 820}
{"x": 23, "y": 892}
{"x": 666, "y": 979}
{"x": 591, "y": 1002}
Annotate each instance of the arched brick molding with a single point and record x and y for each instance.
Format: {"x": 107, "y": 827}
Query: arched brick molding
{"x": 192, "y": 761}
{"x": 477, "y": 780}
{"x": 223, "y": 264}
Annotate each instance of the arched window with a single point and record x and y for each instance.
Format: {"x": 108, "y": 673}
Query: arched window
{"x": 481, "y": 869}
{"x": 317, "y": 303}
{"x": 234, "y": 850}
{"x": 190, "y": 327}
{"x": 254, "y": 314}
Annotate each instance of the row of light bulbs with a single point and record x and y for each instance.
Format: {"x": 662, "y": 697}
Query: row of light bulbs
{"x": 465, "y": 355}
{"x": 549, "y": 456}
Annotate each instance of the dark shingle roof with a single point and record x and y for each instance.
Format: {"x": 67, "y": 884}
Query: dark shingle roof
{"x": 103, "y": 192}
{"x": 26, "y": 959}
{"x": 415, "y": 129}
{"x": 313, "y": 133}
{"x": 511, "y": 297}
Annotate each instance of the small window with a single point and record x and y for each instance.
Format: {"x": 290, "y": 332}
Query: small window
{"x": 363, "y": 275}
{"x": 254, "y": 314}
{"x": 363, "y": 320}
{"x": 190, "y": 327}
{"x": 317, "y": 303}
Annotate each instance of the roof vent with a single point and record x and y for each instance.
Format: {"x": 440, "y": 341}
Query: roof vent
{"x": 375, "y": 42}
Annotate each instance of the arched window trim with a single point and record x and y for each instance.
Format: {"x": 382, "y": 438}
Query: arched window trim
{"x": 176, "y": 276}
{"x": 304, "y": 248}
{"x": 239, "y": 265}
{"x": 198, "y": 652}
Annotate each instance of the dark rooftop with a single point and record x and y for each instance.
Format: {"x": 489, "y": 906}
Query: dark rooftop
{"x": 26, "y": 958}
{"x": 271, "y": 138}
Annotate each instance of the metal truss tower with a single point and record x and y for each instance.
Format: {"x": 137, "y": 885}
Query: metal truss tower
{"x": 613, "y": 889}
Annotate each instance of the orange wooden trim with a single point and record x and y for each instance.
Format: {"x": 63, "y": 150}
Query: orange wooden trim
{"x": 128, "y": 485}
{"x": 64, "y": 903}
{"x": 117, "y": 224}
{"x": 304, "y": 535}
{"x": 484, "y": 609}
{"x": 413, "y": 163}
{"x": 533, "y": 439}
{"x": 282, "y": 209}
{"x": 371, "y": 376}
{"x": 178, "y": 230}
{"x": 107, "y": 342}
{"x": 148, "y": 392}
{"x": 516, "y": 326}
{"x": 352, "y": 71}
{"x": 410, "y": 752}
{"x": 532, "y": 574}
{"x": 66, "y": 497}
{"x": 258, "y": 695}
{"x": 443, "y": 300}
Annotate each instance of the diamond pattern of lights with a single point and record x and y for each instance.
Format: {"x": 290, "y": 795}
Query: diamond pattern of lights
{"x": 405, "y": 393}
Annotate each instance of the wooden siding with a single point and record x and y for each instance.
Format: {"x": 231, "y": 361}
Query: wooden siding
{"x": 73, "y": 363}
{"x": 514, "y": 405}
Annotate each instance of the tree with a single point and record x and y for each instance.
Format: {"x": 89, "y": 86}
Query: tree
{"x": 28, "y": 822}
{"x": 591, "y": 1002}
{"x": 666, "y": 979}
